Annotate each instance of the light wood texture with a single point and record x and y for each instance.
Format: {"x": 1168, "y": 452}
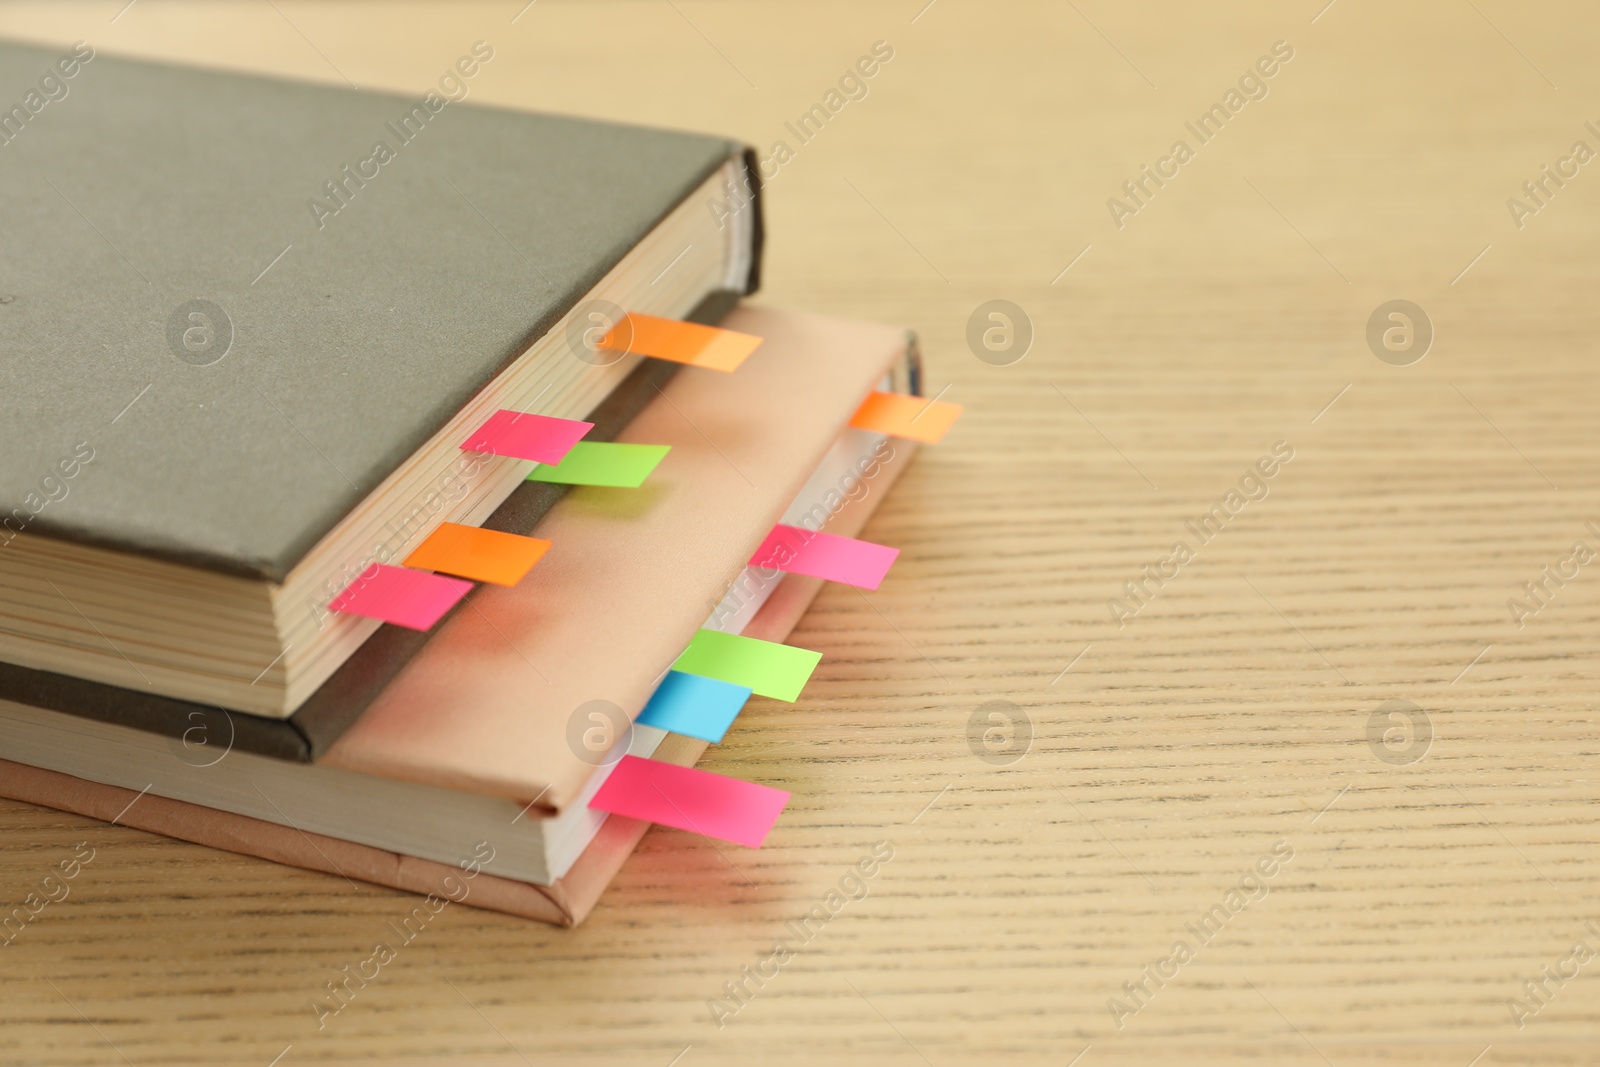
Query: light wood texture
{"x": 1231, "y": 714}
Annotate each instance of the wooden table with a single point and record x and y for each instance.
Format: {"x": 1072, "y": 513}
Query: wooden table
{"x": 1442, "y": 853}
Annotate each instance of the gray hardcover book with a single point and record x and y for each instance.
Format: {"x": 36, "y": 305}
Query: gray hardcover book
{"x": 242, "y": 324}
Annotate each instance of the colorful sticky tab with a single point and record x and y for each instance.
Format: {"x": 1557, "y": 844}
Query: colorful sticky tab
{"x": 518, "y": 434}
{"x": 794, "y": 550}
{"x": 712, "y": 805}
{"x": 680, "y": 342}
{"x": 912, "y": 417}
{"x": 604, "y": 463}
{"x": 482, "y": 555}
{"x": 413, "y": 599}
{"x": 693, "y": 705}
{"x": 773, "y": 670}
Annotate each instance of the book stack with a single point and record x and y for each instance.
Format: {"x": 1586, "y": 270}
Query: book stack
{"x": 418, "y": 521}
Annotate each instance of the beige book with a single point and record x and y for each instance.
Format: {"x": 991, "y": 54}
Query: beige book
{"x": 470, "y": 743}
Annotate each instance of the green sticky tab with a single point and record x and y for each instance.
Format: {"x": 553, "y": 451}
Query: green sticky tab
{"x": 603, "y": 463}
{"x": 772, "y": 670}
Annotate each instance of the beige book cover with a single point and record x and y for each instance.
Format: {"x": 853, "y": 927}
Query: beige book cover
{"x": 630, "y": 577}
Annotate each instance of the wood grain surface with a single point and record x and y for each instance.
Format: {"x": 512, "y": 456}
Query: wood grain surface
{"x": 1440, "y": 857}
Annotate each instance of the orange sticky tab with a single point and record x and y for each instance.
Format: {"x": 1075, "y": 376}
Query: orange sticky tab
{"x": 482, "y": 555}
{"x": 912, "y": 417}
{"x": 680, "y": 342}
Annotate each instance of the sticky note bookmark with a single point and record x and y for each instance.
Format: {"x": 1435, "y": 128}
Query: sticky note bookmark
{"x": 681, "y": 342}
{"x": 413, "y": 599}
{"x": 912, "y": 417}
{"x": 482, "y": 555}
{"x": 687, "y": 799}
{"x": 521, "y": 435}
{"x": 604, "y": 463}
{"x": 694, "y": 706}
{"x": 795, "y": 550}
{"x": 773, "y": 670}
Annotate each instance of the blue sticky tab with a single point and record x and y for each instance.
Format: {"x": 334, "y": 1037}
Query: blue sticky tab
{"x": 695, "y": 706}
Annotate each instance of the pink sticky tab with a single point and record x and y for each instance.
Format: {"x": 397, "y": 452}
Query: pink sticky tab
{"x": 413, "y": 599}
{"x": 697, "y": 801}
{"x": 542, "y": 438}
{"x": 821, "y": 555}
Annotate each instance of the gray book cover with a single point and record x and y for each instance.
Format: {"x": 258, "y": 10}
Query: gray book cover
{"x": 219, "y": 289}
{"x": 251, "y": 299}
